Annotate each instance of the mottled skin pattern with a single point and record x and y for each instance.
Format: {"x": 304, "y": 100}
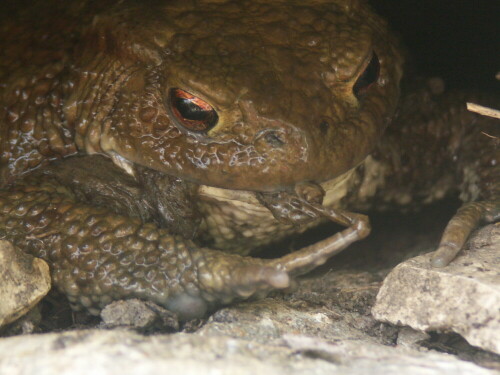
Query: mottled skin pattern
{"x": 295, "y": 111}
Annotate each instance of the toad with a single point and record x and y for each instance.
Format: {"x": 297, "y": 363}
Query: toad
{"x": 148, "y": 147}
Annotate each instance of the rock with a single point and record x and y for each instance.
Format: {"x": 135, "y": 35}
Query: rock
{"x": 267, "y": 320}
{"x": 137, "y": 314}
{"x": 125, "y": 352}
{"x": 463, "y": 297}
{"x": 24, "y": 281}
{"x": 367, "y": 358}
{"x": 411, "y": 338}
{"x": 26, "y": 324}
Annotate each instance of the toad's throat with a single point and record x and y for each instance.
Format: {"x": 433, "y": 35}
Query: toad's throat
{"x": 335, "y": 189}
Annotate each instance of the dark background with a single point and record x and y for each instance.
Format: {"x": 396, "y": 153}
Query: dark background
{"x": 458, "y": 40}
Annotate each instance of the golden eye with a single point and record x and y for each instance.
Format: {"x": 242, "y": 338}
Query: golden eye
{"x": 192, "y": 112}
{"x": 367, "y": 78}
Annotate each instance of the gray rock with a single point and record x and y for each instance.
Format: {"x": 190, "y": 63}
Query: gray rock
{"x": 463, "y": 297}
{"x": 267, "y": 320}
{"x": 362, "y": 357}
{"x": 137, "y": 314}
{"x": 125, "y": 352}
{"x": 24, "y": 281}
{"x": 26, "y": 324}
{"x": 411, "y": 338}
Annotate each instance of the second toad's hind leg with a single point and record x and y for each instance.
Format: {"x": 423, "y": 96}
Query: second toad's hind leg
{"x": 468, "y": 217}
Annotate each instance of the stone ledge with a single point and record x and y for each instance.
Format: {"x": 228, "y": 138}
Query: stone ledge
{"x": 125, "y": 352}
{"x": 463, "y": 297}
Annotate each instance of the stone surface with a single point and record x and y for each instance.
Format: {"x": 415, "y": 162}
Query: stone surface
{"x": 141, "y": 315}
{"x": 125, "y": 352}
{"x": 411, "y": 338}
{"x": 463, "y": 297}
{"x": 24, "y": 281}
{"x": 26, "y": 324}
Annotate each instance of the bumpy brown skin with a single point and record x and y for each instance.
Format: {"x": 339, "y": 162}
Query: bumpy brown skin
{"x": 94, "y": 77}
{"x": 280, "y": 76}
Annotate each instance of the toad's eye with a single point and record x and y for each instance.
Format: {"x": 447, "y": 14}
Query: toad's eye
{"x": 367, "y": 78}
{"x": 192, "y": 113}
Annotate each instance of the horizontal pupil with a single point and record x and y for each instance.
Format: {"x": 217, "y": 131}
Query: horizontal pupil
{"x": 371, "y": 71}
{"x": 192, "y": 113}
{"x": 190, "y": 110}
{"x": 369, "y": 76}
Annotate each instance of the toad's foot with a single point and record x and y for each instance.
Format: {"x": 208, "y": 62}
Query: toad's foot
{"x": 303, "y": 206}
{"x": 226, "y": 277}
{"x": 468, "y": 217}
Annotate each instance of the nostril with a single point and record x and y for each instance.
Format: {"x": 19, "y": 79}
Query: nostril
{"x": 274, "y": 139}
{"x": 323, "y": 126}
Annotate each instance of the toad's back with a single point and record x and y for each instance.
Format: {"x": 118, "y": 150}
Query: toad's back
{"x": 38, "y": 40}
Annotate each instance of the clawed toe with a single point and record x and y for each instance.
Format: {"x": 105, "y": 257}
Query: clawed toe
{"x": 253, "y": 278}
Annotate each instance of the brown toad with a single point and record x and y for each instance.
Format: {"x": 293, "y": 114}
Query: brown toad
{"x": 229, "y": 123}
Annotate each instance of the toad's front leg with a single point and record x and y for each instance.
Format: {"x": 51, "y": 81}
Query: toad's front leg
{"x": 97, "y": 256}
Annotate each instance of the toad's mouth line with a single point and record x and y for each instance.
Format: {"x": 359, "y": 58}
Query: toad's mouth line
{"x": 335, "y": 189}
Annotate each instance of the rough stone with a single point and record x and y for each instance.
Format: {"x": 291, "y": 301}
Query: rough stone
{"x": 24, "y": 281}
{"x": 126, "y": 352}
{"x": 26, "y": 324}
{"x": 463, "y": 297}
{"x": 411, "y": 338}
{"x": 267, "y": 320}
{"x": 137, "y": 314}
